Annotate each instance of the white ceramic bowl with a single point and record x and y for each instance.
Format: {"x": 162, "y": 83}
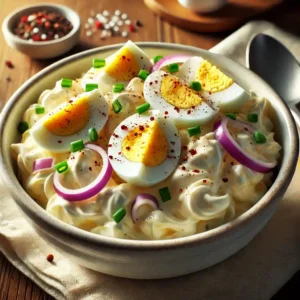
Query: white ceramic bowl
{"x": 203, "y": 6}
{"x": 147, "y": 259}
{"x": 47, "y": 49}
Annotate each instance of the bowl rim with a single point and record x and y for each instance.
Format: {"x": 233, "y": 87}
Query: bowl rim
{"x": 76, "y": 22}
{"x": 58, "y": 227}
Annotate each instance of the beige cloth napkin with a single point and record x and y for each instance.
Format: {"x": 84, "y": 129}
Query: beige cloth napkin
{"x": 256, "y": 272}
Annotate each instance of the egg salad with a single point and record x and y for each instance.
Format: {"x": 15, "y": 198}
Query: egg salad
{"x": 147, "y": 148}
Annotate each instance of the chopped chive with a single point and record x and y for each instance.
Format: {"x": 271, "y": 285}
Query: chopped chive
{"x": 142, "y": 108}
{"x": 23, "y": 126}
{"x": 195, "y": 85}
{"x": 119, "y": 214}
{"x": 98, "y": 63}
{"x": 143, "y": 74}
{"x": 165, "y": 194}
{"x": 77, "y": 145}
{"x": 62, "y": 166}
{"x": 194, "y": 130}
{"x": 259, "y": 137}
{"x": 117, "y": 107}
{"x": 157, "y": 58}
{"x": 66, "y": 83}
{"x": 119, "y": 87}
{"x": 231, "y": 116}
{"x": 253, "y": 118}
{"x": 173, "y": 68}
{"x": 91, "y": 86}
{"x": 93, "y": 134}
{"x": 39, "y": 110}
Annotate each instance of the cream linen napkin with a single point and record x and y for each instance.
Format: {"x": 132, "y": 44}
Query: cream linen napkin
{"x": 256, "y": 272}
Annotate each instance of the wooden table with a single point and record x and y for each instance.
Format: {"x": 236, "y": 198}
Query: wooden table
{"x": 13, "y": 284}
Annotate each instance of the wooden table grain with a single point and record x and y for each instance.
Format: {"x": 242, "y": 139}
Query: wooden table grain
{"x": 13, "y": 284}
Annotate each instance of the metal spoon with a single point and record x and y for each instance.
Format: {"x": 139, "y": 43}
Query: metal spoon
{"x": 276, "y": 65}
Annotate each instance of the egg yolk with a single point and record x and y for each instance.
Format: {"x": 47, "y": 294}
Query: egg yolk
{"x": 70, "y": 119}
{"x": 212, "y": 79}
{"x": 177, "y": 94}
{"x": 124, "y": 67}
{"x": 146, "y": 144}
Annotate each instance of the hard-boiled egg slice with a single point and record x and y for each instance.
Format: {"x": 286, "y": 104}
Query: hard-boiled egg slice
{"x": 145, "y": 149}
{"x": 120, "y": 67}
{"x": 217, "y": 87}
{"x": 71, "y": 121}
{"x": 171, "y": 95}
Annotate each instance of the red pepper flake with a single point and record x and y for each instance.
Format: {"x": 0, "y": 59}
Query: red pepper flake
{"x": 119, "y": 153}
{"x": 98, "y": 24}
{"x": 184, "y": 147}
{"x": 131, "y": 28}
{"x": 225, "y": 180}
{"x": 128, "y": 148}
{"x": 209, "y": 93}
{"x": 70, "y": 101}
{"x": 36, "y": 37}
{"x": 193, "y": 107}
{"x": 204, "y": 180}
{"x": 185, "y": 158}
{"x": 8, "y": 79}
{"x": 151, "y": 118}
{"x": 166, "y": 112}
{"x": 116, "y": 136}
{"x": 177, "y": 109}
{"x": 156, "y": 81}
{"x": 196, "y": 171}
{"x": 9, "y": 64}
{"x": 232, "y": 163}
{"x": 246, "y": 129}
{"x": 183, "y": 168}
{"x": 141, "y": 128}
{"x": 193, "y": 151}
{"x": 151, "y": 83}
{"x": 189, "y": 111}
{"x": 111, "y": 157}
{"x": 50, "y": 257}
{"x": 180, "y": 191}
{"x": 59, "y": 141}
{"x": 90, "y": 168}
{"x": 24, "y": 19}
{"x": 123, "y": 127}
{"x": 109, "y": 145}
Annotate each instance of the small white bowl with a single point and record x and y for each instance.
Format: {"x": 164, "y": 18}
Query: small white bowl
{"x": 47, "y": 49}
{"x": 203, "y": 6}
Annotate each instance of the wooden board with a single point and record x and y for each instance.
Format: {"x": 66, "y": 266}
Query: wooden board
{"x": 229, "y": 17}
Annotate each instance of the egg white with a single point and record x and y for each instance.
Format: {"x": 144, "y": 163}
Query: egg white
{"x": 136, "y": 172}
{"x": 98, "y": 117}
{"x": 230, "y": 99}
{"x": 104, "y": 80}
{"x": 199, "y": 115}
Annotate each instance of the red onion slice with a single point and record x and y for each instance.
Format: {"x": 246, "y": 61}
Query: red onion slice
{"x": 91, "y": 189}
{"x": 43, "y": 163}
{"x": 142, "y": 199}
{"x": 233, "y": 148}
{"x": 170, "y": 59}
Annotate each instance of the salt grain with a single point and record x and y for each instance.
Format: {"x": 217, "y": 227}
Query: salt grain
{"x": 43, "y": 36}
{"x": 124, "y": 16}
{"x": 90, "y": 20}
{"x": 127, "y": 22}
{"x": 56, "y": 36}
{"x": 115, "y": 19}
{"x": 124, "y": 34}
{"x": 35, "y": 30}
{"x": 116, "y": 29}
{"x": 112, "y": 23}
{"x": 117, "y": 12}
{"x": 106, "y": 26}
{"x": 120, "y": 23}
{"x": 88, "y": 33}
{"x": 87, "y": 25}
{"x": 105, "y": 13}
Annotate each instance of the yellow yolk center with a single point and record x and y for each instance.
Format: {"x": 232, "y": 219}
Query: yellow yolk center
{"x": 124, "y": 67}
{"x": 146, "y": 144}
{"x": 70, "y": 119}
{"x": 212, "y": 79}
{"x": 177, "y": 94}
